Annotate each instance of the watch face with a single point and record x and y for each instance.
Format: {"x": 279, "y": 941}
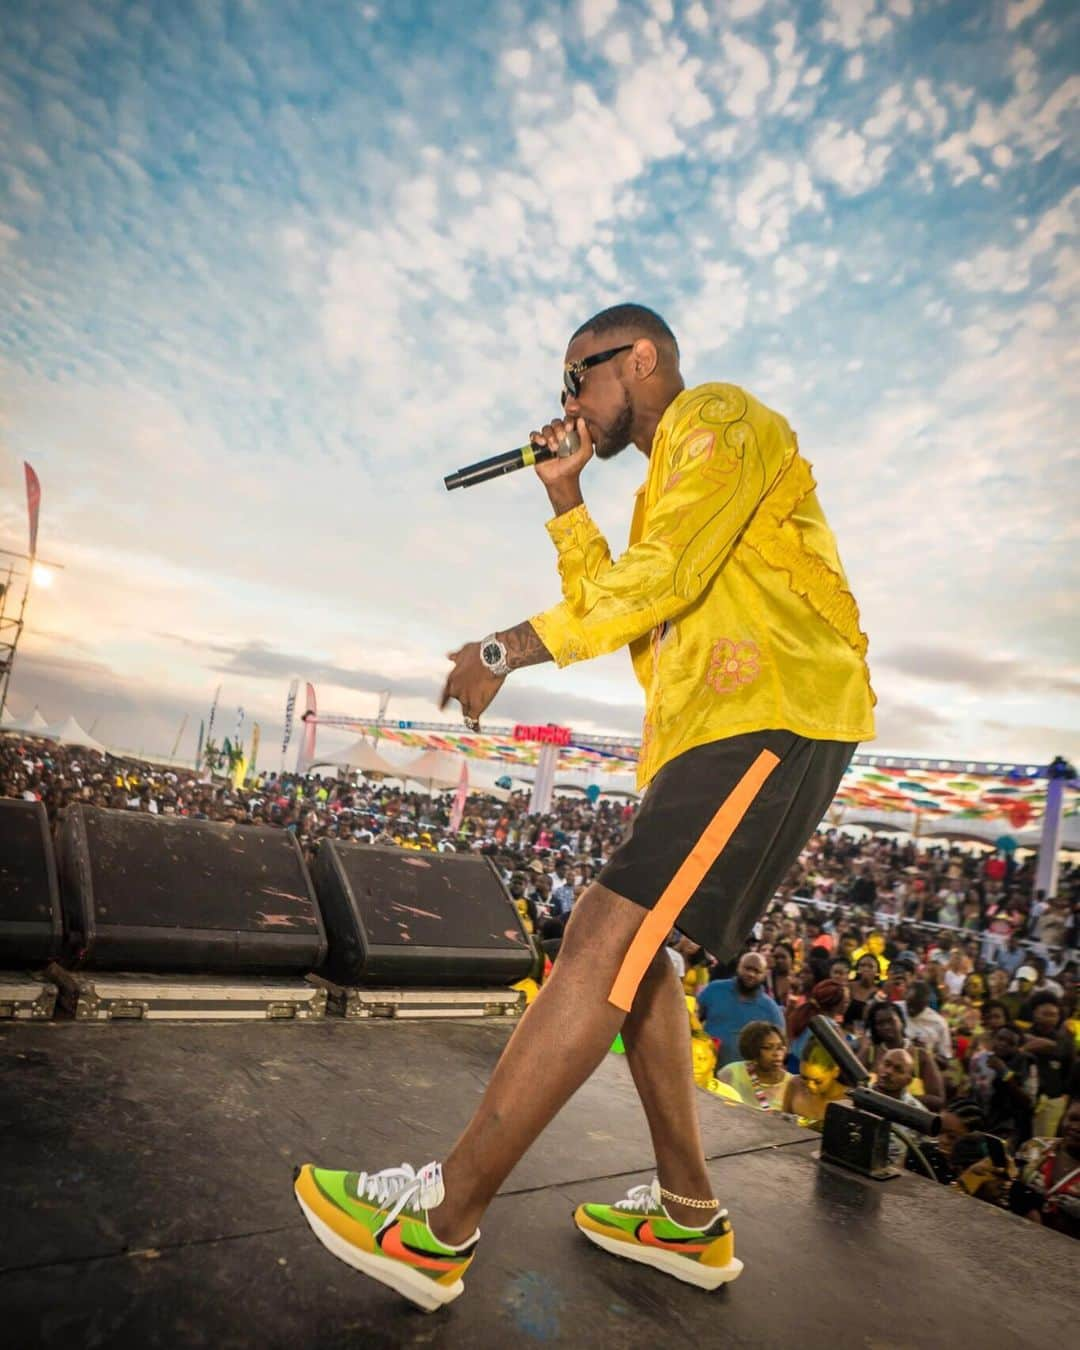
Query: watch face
{"x": 491, "y": 654}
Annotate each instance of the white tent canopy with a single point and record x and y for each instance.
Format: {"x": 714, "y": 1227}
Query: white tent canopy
{"x": 436, "y": 769}
{"x": 70, "y": 733}
{"x": 362, "y": 755}
{"x": 987, "y": 830}
{"x": 34, "y": 724}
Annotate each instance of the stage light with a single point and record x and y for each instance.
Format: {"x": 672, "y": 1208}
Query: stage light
{"x": 42, "y": 575}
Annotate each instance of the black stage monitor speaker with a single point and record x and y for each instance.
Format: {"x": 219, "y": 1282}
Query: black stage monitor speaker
{"x": 31, "y": 928}
{"x": 145, "y": 892}
{"x": 399, "y": 917}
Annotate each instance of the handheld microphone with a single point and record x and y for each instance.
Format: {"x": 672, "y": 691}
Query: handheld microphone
{"x": 497, "y": 465}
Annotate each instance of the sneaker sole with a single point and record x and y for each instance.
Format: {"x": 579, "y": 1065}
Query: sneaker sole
{"x": 690, "y": 1272}
{"x": 418, "y": 1289}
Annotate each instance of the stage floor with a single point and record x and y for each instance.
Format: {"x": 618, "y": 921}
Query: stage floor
{"x": 146, "y": 1200}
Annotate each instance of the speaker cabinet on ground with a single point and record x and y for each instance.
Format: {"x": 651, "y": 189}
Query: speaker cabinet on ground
{"x": 145, "y": 892}
{"x": 31, "y": 928}
{"x": 399, "y": 917}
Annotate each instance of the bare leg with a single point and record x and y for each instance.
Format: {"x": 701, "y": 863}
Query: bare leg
{"x": 657, "y": 1039}
{"x": 562, "y": 1037}
{"x": 558, "y": 1043}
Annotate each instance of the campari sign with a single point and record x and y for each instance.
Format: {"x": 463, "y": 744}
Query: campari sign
{"x": 548, "y": 735}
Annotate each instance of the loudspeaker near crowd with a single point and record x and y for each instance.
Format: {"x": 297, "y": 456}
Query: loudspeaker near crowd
{"x": 613, "y": 903}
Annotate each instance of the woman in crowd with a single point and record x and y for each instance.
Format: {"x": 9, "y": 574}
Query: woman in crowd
{"x": 974, "y": 990}
{"x": 973, "y": 917}
{"x": 802, "y": 984}
{"x": 995, "y": 1015}
{"x": 885, "y": 1031}
{"x": 934, "y": 976}
{"x": 997, "y": 983}
{"x": 817, "y": 1084}
{"x": 961, "y": 1118}
{"x": 1052, "y": 1049}
{"x": 960, "y": 1155}
{"x": 1049, "y": 1187}
{"x": 962, "y": 1013}
{"x": 840, "y": 971}
{"x": 779, "y": 982}
{"x": 865, "y": 990}
{"x": 759, "y": 1077}
{"x": 828, "y": 998}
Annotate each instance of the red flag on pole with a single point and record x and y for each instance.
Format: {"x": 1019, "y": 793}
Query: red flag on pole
{"x": 33, "y": 502}
{"x": 458, "y": 812}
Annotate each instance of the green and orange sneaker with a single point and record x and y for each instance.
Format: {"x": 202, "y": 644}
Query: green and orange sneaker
{"x": 639, "y": 1228}
{"x": 377, "y": 1222}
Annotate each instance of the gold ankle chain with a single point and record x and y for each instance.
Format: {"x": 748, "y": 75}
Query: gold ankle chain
{"x": 685, "y": 1200}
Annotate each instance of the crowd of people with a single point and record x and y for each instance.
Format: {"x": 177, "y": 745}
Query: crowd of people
{"x": 977, "y": 1025}
{"x": 995, "y": 1052}
{"x": 954, "y": 982}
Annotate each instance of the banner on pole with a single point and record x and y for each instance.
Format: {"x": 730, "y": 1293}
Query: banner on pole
{"x": 384, "y": 703}
{"x": 208, "y": 769}
{"x": 290, "y": 707}
{"x": 457, "y": 812}
{"x": 254, "y": 749}
{"x": 213, "y": 714}
{"x": 33, "y": 504}
{"x": 179, "y": 736}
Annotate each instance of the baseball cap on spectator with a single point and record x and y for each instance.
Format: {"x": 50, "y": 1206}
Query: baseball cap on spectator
{"x": 1028, "y": 973}
{"x": 791, "y": 910}
{"x": 536, "y": 865}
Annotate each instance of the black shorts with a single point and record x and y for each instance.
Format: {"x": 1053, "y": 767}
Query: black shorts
{"x": 716, "y": 833}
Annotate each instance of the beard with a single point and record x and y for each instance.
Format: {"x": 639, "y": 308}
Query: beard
{"x": 616, "y": 437}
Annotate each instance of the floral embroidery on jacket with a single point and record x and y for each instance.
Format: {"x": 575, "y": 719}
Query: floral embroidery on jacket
{"x": 732, "y": 665}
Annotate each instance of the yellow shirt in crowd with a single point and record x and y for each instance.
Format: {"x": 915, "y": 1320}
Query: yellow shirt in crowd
{"x": 731, "y": 596}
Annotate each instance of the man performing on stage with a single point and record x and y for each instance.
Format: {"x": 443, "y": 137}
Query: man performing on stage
{"x": 746, "y": 639}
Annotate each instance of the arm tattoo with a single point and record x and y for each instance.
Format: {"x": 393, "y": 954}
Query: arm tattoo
{"x": 523, "y": 646}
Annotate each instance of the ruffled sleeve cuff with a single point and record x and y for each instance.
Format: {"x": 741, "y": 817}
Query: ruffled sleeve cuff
{"x": 573, "y": 529}
{"x": 561, "y": 635}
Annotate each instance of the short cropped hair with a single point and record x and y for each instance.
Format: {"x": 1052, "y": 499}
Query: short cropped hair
{"x": 753, "y": 1037}
{"x": 618, "y": 318}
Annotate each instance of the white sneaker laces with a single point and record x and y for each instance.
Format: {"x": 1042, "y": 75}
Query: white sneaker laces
{"x": 641, "y": 1198}
{"x": 647, "y": 1199}
{"x": 402, "y": 1188}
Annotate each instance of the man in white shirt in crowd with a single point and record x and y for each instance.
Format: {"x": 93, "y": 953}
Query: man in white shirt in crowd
{"x": 925, "y": 1025}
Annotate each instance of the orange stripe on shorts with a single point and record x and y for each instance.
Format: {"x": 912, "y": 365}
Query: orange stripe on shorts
{"x": 660, "y": 920}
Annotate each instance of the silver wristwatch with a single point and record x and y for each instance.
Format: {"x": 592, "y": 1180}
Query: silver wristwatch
{"x": 493, "y": 655}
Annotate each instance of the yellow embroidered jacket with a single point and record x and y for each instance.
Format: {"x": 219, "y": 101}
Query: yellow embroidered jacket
{"x": 731, "y": 596}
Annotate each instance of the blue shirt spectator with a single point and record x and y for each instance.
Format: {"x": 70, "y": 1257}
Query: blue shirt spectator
{"x": 1012, "y": 958}
{"x": 726, "y": 1006}
{"x": 562, "y": 898}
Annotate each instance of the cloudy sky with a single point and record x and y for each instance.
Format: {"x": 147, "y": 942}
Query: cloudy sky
{"x": 270, "y": 269}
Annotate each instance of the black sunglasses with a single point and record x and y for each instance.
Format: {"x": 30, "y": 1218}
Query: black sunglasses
{"x": 573, "y": 370}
